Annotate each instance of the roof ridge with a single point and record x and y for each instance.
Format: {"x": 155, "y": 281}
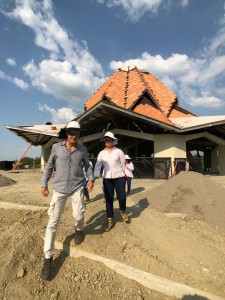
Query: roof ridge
{"x": 149, "y": 89}
{"x": 176, "y": 98}
{"x": 158, "y": 100}
{"x": 126, "y": 89}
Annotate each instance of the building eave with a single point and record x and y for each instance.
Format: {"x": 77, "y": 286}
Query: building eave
{"x": 36, "y": 137}
{"x": 125, "y": 112}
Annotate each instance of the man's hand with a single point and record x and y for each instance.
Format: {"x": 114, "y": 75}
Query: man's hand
{"x": 90, "y": 186}
{"x": 44, "y": 191}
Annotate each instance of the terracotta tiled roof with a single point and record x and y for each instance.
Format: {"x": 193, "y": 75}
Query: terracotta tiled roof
{"x": 136, "y": 86}
{"x": 180, "y": 112}
{"x": 162, "y": 94}
{"x": 148, "y": 110}
{"x": 129, "y": 86}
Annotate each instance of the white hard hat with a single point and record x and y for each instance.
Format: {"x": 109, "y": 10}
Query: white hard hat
{"x": 127, "y": 156}
{"x": 109, "y": 135}
{"x": 73, "y": 125}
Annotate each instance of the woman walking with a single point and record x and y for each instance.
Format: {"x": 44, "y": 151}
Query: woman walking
{"x": 112, "y": 160}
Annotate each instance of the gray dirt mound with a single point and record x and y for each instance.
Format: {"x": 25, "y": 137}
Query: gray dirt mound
{"x": 4, "y": 181}
{"x": 190, "y": 193}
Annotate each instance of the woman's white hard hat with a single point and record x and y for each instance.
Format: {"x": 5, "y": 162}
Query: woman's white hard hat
{"x": 127, "y": 156}
{"x": 109, "y": 135}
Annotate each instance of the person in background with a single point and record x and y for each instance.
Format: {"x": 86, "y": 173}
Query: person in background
{"x": 68, "y": 159}
{"x": 112, "y": 160}
{"x": 129, "y": 168}
{"x": 86, "y": 194}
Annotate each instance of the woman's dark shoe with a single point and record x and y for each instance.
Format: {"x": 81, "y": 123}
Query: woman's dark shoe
{"x": 124, "y": 216}
{"x": 110, "y": 224}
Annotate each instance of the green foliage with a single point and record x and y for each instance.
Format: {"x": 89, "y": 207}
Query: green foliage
{"x": 31, "y": 162}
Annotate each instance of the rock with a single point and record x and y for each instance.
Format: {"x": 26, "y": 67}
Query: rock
{"x": 21, "y": 273}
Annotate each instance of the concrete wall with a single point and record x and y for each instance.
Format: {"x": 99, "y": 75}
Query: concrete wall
{"x": 170, "y": 145}
{"x": 221, "y": 159}
{"x": 214, "y": 160}
{"x": 46, "y": 151}
{"x": 218, "y": 160}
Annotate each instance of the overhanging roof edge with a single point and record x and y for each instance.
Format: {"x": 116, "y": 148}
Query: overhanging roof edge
{"x": 19, "y": 128}
{"x": 199, "y": 126}
{"x": 131, "y": 113}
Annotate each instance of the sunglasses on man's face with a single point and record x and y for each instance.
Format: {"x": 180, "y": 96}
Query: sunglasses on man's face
{"x": 73, "y": 132}
{"x": 108, "y": 140}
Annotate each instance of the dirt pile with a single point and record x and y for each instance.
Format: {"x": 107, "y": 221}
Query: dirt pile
{"x": 190, "y": 193}
{"x": 4, "y": 181}
{"x": 21, "y": 257}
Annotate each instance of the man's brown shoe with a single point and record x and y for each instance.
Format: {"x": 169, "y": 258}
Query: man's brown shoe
{"x": 78, "y": 237}
{"x": 46, "y": 268}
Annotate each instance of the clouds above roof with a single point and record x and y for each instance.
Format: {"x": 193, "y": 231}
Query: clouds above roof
{"x": 61, "y": 115}
{"x": 71, "y": 72}
{"x": 68, "y": 71}
{"x": 135, "y": 9}
{"x": 11, "y": 61}
{"x": 198, "y": 79}
{"x": 18, "y": 82}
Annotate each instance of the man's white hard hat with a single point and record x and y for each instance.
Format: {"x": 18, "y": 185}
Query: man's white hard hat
{"x": 73, "y": 125}
{"x": 109, "y": 135}
{"x": 127, "y": 156}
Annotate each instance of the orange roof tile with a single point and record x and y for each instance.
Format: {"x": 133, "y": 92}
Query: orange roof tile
{"x": 98, "y": 95}
{"x": 162, "y": 94}
{"x": 180, "y": 112}
{"x": 148, "y": 110}
{"x": 125, "y": 89}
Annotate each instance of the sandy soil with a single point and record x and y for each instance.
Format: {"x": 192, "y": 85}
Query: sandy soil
{"x": 189, "y": 250}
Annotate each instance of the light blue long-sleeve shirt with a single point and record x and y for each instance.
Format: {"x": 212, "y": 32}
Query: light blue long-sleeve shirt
{"x": 68, "y": 167}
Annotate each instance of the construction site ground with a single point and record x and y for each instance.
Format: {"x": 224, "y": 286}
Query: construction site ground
{"x": 172, "y": 248}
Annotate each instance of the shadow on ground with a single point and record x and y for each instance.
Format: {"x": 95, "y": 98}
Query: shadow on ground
{"x": 60, "y": 259}
{"x": 95, "y": 225}
{"x": 194, "y": 297}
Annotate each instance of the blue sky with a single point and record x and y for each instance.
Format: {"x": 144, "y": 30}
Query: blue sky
{"x": 55, "y": 54}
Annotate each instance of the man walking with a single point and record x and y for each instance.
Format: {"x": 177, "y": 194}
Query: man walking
{"x": 68, "y": 159}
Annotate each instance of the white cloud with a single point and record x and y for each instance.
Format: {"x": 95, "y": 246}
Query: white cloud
{"x": 218, "y": 41}
{"x": 71, "y": 73}
{"x": 2, "y": 75}
{"x": 184, "y": 3}
{"x": 57, "y": 78}
{"x": 135, "y": 9}
{"x": 196, "y": 81}
{"x": 61, "y": 115}
{"x": 207, "y": 102}
{"x": 39, "y": 16}
{"x": 18, "y": 82}
{"x": 11, "y": 61}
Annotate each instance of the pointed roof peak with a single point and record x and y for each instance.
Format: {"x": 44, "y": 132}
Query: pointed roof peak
{"x": 127, "y": 68}
{"x": 131, "y": 67}
{"x": 138, "y": 90}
